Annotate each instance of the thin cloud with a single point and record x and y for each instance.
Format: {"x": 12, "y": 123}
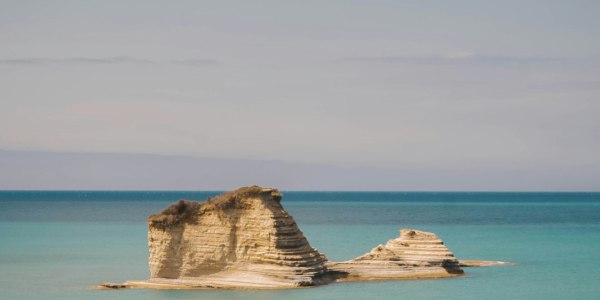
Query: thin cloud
{"x": 75, "y": 60}
{"x": 460, "y": 58}
{"x": 196, "y": 62}
{"x": 113, "y": 60}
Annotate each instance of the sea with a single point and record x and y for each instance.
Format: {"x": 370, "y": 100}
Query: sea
{"x": 60, "y": 244}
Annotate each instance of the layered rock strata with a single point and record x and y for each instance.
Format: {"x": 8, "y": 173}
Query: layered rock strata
{"x": 415, "y": 254}
{"x": 240, "y": 239}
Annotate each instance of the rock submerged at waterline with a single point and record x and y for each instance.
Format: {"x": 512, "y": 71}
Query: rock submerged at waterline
{"x": 245, "y": 239}
{"x": 484, "y": 263}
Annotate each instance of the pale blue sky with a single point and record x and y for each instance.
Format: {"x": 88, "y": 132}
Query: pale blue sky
{"x": 501, "y": 88}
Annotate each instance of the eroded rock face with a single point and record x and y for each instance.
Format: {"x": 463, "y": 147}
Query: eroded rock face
{"x": 242, "y": 238}
{"x": 415, "y": 254}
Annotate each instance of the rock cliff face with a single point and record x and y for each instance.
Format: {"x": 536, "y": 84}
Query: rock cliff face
{"x": 242, "y": 238}
{"x": 415, "y": 254}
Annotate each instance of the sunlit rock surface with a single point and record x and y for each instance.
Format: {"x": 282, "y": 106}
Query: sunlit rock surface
{"x": 242, "y": 238}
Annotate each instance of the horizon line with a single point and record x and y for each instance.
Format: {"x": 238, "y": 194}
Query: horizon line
{"x": 311, "y": 191}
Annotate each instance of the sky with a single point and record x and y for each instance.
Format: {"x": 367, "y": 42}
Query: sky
{"x": 469, "y": 95}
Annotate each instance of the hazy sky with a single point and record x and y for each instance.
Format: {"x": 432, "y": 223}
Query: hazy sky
{"x": 473, "y": 86}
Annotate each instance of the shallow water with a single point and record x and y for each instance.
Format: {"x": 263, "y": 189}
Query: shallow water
{"x": 57, "y": 245}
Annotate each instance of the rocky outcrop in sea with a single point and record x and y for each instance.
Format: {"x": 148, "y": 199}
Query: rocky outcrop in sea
{"x": 415, "y": 254}
{"x": 245, "y": 239}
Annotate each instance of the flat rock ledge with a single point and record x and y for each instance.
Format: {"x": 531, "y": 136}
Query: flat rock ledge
{"x": 245, "y": 239}
{"x": 466, "y": 263}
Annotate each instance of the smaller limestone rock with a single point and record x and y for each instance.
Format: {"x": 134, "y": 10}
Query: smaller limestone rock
{"x": 415, "y": 254}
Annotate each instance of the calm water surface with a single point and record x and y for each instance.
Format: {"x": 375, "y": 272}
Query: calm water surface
{"x": 57, "y": 245}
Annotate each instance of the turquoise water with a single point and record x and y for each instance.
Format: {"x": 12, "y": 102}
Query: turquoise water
{"x": 57, "y": 245}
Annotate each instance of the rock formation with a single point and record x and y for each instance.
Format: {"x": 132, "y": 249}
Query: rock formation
{"x": 245, "y": 239}
{"x": 242, "y": 238}
{"x": 415, "y": 254}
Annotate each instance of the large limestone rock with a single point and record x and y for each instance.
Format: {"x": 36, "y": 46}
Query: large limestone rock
{"x": 415, "y": 254}
{"x": 240, "y": 239}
